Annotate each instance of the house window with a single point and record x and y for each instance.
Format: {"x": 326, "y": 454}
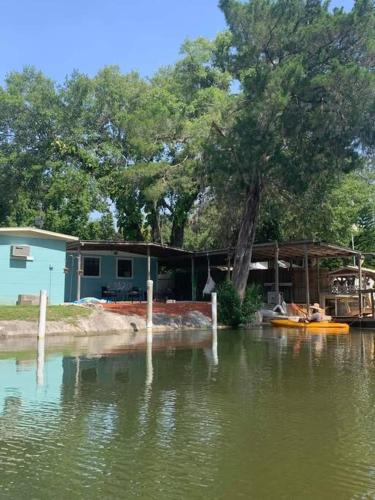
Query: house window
{"x": 124, "y": 268}
{"x": 91, "y": 267}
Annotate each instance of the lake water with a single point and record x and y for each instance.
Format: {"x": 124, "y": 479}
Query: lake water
{"x": 263, "y": 414}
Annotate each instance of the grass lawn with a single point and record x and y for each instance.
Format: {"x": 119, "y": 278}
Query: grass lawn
{"x": 54, "y": 313}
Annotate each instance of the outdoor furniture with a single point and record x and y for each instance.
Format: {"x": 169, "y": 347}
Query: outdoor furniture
{"x": 122, "y": 289}
{"x": 135, "y": 293}
{"x": 109, "y": 294}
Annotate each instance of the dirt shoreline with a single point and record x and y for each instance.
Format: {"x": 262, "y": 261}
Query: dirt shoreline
{"x": 102, "y": 321}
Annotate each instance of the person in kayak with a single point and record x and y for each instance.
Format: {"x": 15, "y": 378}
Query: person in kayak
{"x": 316, "y": 314}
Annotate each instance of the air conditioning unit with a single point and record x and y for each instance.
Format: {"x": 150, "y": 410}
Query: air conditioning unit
{"x": 20, "y": 252}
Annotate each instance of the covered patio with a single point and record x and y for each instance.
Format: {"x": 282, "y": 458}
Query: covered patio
{"x": 117, "y": 270}
{"x": 293, "y": 271}
{"x": 289, "y": 270}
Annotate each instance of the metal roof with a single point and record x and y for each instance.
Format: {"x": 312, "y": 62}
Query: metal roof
{"x": 352, "y": 271}
{"x": 261, "y": 251}
{"x": 288, "y": 250}
{"x": 140, "y": 248}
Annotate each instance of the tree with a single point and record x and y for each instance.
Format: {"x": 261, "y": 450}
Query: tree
{"x": 306, "y": 107}
{"x": 158, "y": 190}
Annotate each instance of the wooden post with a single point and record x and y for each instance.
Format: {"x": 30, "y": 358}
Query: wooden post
{"x": 307, "y": 280}
{"x": 149, "y": 304}
{"x": 277, "y": 280}
{"x": 42, "y": 314}
{"x": 318, "y": 277}
{"x": 214, "y": 310}
{"x": 360, "y": 305}
{"x": 228, "y": 264}
{"x": 291, "y": 274}
{"x": 79, "y": 271}
{"x": 148, "y": 263}
{"x": 372, "y": 305}
{"x": 193, "y": 288}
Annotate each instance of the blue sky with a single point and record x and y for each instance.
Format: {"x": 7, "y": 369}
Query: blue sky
{"x": 58, "y": 36}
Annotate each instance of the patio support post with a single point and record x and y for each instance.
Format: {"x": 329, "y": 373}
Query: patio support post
{"x": 148, "y": 263}
{"x": 360, "y": 285}
{"x": 79, "y": 261}
{"x": 318, "y": 278}
{"x": 307, "y": 280}
{"x": 277, "y": 281}
{"x": 228, "y": 264}
{"x": 193, "y": 289}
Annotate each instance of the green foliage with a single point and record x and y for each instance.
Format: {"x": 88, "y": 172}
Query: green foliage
{"x": 252, "y": 302}
{"x": 231, "y": 311}
{"x": 229, "y": 305}
{"x": 305, "y": 112}
{"x": 173, "y": 158}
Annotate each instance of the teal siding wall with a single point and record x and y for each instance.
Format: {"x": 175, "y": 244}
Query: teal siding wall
{"x": 29, "y": 277}
{"x": 92, "y": 287}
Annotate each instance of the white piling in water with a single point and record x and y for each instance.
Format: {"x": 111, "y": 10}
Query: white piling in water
{"x": 40, "y": 361}
{"x": 42, "y": 313}
{"x": 215, "y": 357}
{"x": 214, "y": 310}
{"x": 150, "y": 285}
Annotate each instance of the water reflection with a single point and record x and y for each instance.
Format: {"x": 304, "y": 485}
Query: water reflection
{"x": 149, "y": 367}
{"x": 191, "y": 415}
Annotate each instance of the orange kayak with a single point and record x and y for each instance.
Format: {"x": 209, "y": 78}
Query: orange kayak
{"x": 323, "y": 326}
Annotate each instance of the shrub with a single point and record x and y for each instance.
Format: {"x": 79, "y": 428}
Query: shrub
{"x": 252, "y": 302}
{"x": 229, "y": 304}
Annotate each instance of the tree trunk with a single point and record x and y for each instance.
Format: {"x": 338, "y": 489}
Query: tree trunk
{"x": 177, "y": 232}
{"x": 246, "y": 236}
{"x": 155, "y": 225}
{"x": 180, "y": 218}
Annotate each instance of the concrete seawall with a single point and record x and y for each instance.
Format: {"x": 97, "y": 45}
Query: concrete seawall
{"x": 103, "y": 321}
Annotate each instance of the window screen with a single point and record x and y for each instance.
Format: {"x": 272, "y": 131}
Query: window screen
{"x": 91, "y": 266}
{"x": 124, "y": 268}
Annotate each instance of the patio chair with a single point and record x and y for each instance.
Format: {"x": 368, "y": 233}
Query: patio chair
{"x": 135, "y": 293}
{"x": 109, "y": 294}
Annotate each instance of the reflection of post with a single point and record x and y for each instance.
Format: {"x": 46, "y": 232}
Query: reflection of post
{"x": 215, "y": 357}
{"x": 40, "y": 361}
{"x": 150, "y": 284}
{"x": 214, "y": 309}
{"x": 149, "y": 367}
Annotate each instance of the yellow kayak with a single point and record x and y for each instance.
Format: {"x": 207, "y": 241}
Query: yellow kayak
{"x": 315, "y": 325}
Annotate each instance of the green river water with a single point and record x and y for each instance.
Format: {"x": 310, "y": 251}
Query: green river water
{"x": 265, "y": 414}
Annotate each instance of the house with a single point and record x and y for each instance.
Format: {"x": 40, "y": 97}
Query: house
{"x": 31, "y": 260}
{"x": 113, "y": 265}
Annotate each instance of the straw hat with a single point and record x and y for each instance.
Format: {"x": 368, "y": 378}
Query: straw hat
{"x": 317, "y": 306}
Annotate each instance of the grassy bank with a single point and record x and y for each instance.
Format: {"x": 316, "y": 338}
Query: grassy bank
{"x": 54, "y": 313}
